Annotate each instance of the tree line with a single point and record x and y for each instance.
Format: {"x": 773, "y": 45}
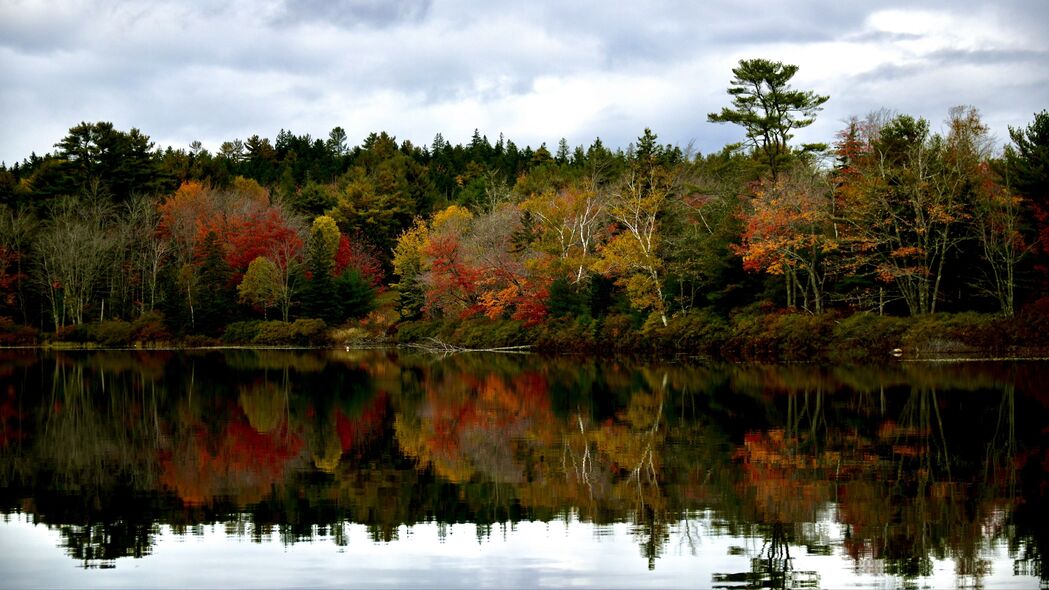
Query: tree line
{"x": 891, "y": 217}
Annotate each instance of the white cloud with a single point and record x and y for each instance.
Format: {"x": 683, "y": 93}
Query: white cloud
{"x": 536, "y": 71}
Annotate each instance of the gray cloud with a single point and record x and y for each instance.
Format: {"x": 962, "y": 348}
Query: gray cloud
{"x": 536, "y": 70}
{"x": 354, "y": 13}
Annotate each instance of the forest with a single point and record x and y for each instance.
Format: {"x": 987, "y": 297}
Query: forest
{"x": 897, "y": 233}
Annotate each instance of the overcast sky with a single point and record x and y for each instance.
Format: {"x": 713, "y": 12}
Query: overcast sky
{"x": 533, "y": 70}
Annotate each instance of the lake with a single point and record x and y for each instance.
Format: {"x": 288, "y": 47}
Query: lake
{"x": 388, "y": 468}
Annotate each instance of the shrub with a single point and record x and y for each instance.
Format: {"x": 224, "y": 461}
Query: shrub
{"x": 241, "y": 332}
{"x": 750, "y": 335}
{"x": 150, "y": 327}
{"x": 1031, "y": 325}
{"x": 111, "y": 333}
{"x": 12, "y": 334}
{"x": 418, "y": 330}
{"x": 481, "y": 332}
{"x": 947, "y": 333}
{"x": 78, "y": 334}
{"x": 274, "y": 333}
{"x": 198, "y": 341}
{"x": 866, "y": 337}
{"x": 699, "y": 331}
{"x": 757, "y": 333}
{"x": 309, "y": 331}
{"x": 381, "y": 321}
{"x": 566, "y": 334}
{"x": 618, "y": 332}
{"x": 350, "y": 335}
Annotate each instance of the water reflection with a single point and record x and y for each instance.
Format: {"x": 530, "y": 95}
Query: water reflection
{"x": 893, "y": 468}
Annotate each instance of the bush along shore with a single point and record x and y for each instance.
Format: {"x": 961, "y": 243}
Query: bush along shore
{"x": 782, "y": 336}
{"x": 751, "y": 335}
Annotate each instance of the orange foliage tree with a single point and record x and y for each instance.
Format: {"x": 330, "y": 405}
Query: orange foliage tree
{"x": 789, "y": 231}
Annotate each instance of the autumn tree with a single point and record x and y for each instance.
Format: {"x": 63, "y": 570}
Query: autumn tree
{"x": 17, "y": 230}
{"x": 409, "y": 264}
{"x": 182, "y": 214}
{"x": 249, "y": 229}
{"x": 570, "y": 226}
{"x": 450, "y": 281}
{"x": 768, "y": 108}
{"x": 508, "y": 285}
{"x": 788, "y": 231}
{"x": 327, "y": 234}
{"x": 996, "y": 211}
{"x": 357, "y": 253}
{"x": 999, "y": 223}
{"x": 73, "y": 254}
{"x": 247, "y": 225}
{"x": 10, "y": 278}
{"x": 905, "y": 206}
{"x": 635, "y": 204}
{"x": 261, "y": 285}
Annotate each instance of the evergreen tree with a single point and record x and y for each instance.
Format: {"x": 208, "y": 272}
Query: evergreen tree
{"x": 319, "y": 298}
{"x": 215, "y": 296}
{"x": 355, "y": 296}
{"x": 1027, "y": 160}
{"x": 767, "y": 107}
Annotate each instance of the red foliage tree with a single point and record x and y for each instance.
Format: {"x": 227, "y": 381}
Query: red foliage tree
{"x": 361, "y": 255}
{"x": 452, "y": 283}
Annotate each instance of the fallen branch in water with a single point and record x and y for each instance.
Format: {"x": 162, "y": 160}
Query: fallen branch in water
{"x": 439, "y": 346}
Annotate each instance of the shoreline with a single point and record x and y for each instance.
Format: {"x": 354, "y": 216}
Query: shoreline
{"x": 782, "y": 336}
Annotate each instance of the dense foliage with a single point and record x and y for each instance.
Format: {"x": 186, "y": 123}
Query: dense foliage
{"x": 894, "y": 218}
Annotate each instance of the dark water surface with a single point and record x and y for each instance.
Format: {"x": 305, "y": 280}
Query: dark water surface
{"x": 382, "y": 468}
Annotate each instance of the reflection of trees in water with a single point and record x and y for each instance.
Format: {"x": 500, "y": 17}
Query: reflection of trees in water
{"x": 265, "y": 404}
{"x": 772, "y": 567}
{"x": 100, "y": 544}
{"x": 921, "y": 485}
{"x": 89, "y": 427}
{"x": 93, "y": 432}
{"x": 293, "y": 445}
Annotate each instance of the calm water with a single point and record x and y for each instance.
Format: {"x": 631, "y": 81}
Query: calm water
{"x": 381, "y": 468}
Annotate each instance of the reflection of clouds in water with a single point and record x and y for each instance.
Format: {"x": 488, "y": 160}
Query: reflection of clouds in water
{"x": 560, "y": 553}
